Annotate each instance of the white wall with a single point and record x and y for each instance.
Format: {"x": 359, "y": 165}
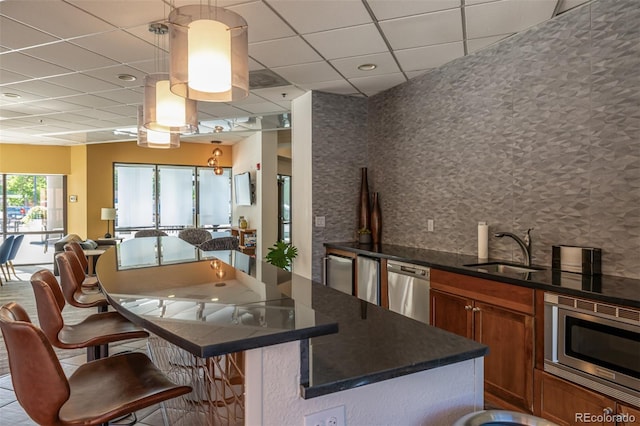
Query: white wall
{"x": 269, "y": 191}
{"x": 301, "y": 197}
{"x": 246, "y": 155}
{"x": 434, "y": 397}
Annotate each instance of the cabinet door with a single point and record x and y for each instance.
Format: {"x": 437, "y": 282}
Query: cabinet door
{"x": 567, "y": 404}
{"x": 508, "y": 368}
{"x": 451, "y": 313}
{"x": 629, "y": 416}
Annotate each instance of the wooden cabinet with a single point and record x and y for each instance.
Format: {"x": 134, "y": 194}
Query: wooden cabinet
{"x": 568, "y": 404}
{"x": 247, "y": 240}
{"x": 498, "y": 315}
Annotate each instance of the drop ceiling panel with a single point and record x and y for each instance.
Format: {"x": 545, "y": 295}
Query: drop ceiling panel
{"x": 388, "y": 9}
{"x": 423, "y": 58}
{"x": 423, "y": 30}
{"x": 137, "y": 12}
{"x": 82, "y": 83}
{"x": 342, "y": 87}
{"x": 473, "y": 45}
{"x": 15, "y": 35}
{"x": 110, "y": 75}
{"x": 363, "y": 40}
{"x": 283, "y": 52}
{"x": 349, "y": 66}
{"x": 90, "y": 101}
{"x": 73, "y": 57}
{"x": 42, "y": 88}
{"x": 377, "y": 83}
{"x": 123, "y": 96}
{"x": 506, "y": 16}
{"x": 119, "y": 46}
{"x": 311, "y": 16}
{"x": 7, "y": 77}
{"x": 54, "y": 17}
{"x": 263, "y": 108}
{"x": 263, "y": 23}
{"x": 275, "y": 94}
{"x": 32, "y": 67}
{"x": 308, "y": 73}
{"x": 220, "y": 110}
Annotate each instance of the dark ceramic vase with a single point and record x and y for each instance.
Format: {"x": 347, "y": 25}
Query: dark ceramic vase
{"x": 376, "y": 220}
{"x": 365, "y": 212}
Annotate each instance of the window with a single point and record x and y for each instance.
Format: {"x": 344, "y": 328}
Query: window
{"x": 33, "y": 205}
{"x": 171, "y": 198}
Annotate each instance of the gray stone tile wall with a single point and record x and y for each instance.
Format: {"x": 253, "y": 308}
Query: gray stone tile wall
{"x": 539, "y": 131}
{"x": 339, "y": 151}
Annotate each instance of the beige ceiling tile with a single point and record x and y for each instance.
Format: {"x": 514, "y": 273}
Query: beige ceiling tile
{"x": 349, "y": 66}
{"x": 29, "y": 66}
{"x": 217, "y": 109}
{"x": 283, "y": 52}
{"x": 120, "y": 46}
{"x": 276, "y": 94}
{"x": 110, "y": 75}
{"x": 308, "y": 73}
{"x": 310, "y": 16}
{"x": 389, "y": 9}
{"x": 506, "y": 16}
{"x": 123, "y": 96}
{"x": 90, "y": 101}
{"x": 54, "y": 17}
{"x": 262, "y": 108}
{"x": 125, "y": 13}
{"x": 73, "y": 57}
{"x": 83, "y": 83}
{"x": 363, "y": 40}
{"x": 263, "y": 23}
{"x": 424, "y": 30}
{"x": 473, "y": 45}
{"x": 570, "y": 4}
{"x": 377, "y": 83}
{"x": 42, "y": 88}
{"x": 341, "y": 87}
{"x": 7, "y": 77}
{"x": 424, "y": 58}
{"x": 15, "y": 35}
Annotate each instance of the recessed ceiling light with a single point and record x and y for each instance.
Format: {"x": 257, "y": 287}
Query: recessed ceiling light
{"x": 11, "y": 95}
{"x": 367, "y": 67}
{"x": 127, "y": 77}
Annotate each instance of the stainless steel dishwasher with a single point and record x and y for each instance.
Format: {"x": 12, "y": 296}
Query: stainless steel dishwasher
{"x": 409, "y": 290}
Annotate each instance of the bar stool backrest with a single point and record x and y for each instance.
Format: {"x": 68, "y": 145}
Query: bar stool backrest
{"x": 76, "y": 248}
{"x": 38, "y": 379}
{"x": 49, "y": 302}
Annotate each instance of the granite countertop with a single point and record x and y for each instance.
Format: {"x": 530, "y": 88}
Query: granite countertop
{"x": 617, "y": 290}
{"x": 212, "y": 303}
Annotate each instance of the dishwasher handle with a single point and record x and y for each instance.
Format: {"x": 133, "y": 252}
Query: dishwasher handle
{"x": 411, "y": 270}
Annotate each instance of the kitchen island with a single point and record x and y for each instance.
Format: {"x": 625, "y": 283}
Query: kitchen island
{"x": 306, "y": 347}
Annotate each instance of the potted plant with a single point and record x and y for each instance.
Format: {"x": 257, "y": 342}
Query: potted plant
{"x": 364, "y": 236}
{"x": 281, "y": 254}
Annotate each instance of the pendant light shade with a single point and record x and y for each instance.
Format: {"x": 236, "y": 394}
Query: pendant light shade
{"x": 154, "y": 139}
{"x": 164, "y": 111}
{"x": 209, "y": 58}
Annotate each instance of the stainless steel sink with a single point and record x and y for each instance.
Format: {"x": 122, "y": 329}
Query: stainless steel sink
{"x": 500, "y": 267}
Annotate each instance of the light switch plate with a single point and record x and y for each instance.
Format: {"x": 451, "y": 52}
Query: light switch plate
{"x": 320, "y": 222}
{"x": 330, "y": 417}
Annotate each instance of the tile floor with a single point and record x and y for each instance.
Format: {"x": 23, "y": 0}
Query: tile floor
{"x": 11, "y": 413}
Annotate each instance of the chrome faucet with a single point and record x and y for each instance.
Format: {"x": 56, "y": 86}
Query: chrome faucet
{"x": 525, "y": 244}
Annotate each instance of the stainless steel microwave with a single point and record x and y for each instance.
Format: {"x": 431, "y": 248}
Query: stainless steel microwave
{"x": 593, "y": 344}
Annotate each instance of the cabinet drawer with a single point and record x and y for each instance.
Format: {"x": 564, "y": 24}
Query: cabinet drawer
{"x": 509, "y": 296}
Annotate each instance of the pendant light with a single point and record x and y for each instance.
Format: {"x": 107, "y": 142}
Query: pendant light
{"x": 213, "y": 161}
{"x": 209, "y": 58}
{"x": 164, "y": 111}
{"x": 154, "y": 139}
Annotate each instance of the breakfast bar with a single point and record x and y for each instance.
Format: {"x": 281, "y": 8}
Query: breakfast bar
{"x": 262, "y": 346}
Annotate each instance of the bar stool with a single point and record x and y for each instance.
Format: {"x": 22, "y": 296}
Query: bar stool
{"x": 501, "y": 417}
{"x": 90, "y": 281}
{"x": 71, "y": 277}
{"x": 95, "y": 393}
{"x": 94, "y": 333}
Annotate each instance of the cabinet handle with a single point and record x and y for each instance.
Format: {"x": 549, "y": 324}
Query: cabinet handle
{"x": 607, "y": 411}
{"x": 476, "y": 309}
{"x": 468, "y": 307}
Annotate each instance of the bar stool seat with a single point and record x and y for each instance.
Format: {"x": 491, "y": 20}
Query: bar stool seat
{"x": 95, "y": 393}
{"x": 71, "y": 278}
{"x": 94, "y": 333}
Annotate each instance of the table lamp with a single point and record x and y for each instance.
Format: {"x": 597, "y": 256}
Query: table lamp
{"x": 108, "y": 214}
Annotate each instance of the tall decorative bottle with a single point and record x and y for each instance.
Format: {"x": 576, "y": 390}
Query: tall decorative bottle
{"x": 365, "y": 212}
{"x": 376, "y": 220}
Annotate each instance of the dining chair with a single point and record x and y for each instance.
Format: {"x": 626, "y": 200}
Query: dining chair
{"x": 5, "y": 249}
{"x": 71, "y": 278}
{"x": 95, "y": 393}
{"x": 17, "y": 242}
{"x": 94, "y": 333}
{"x": 221, "y": 243}
{"x": 90, "y": 281}
{"x": 150, "y": 233}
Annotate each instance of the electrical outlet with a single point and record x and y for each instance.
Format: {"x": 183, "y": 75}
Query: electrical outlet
{"x": 330, "y": 417}
{"x": 319, "y": 221}
{"x": 430, "y": 225}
